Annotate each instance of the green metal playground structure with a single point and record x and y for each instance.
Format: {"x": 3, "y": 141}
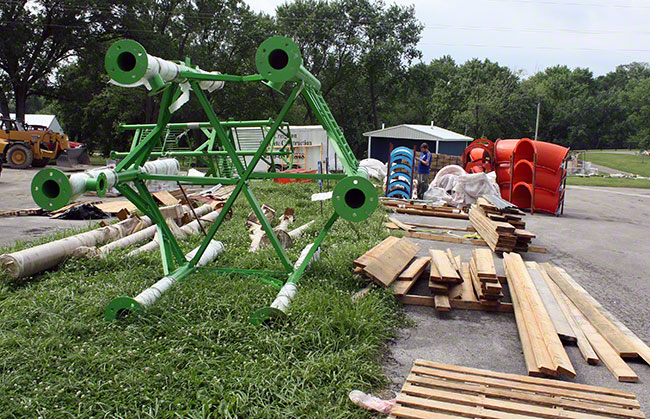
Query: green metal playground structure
{"x": 246, "y": 136}
{"x": 278, "y": 61}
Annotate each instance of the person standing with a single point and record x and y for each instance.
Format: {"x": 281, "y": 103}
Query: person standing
{"x": 424, "y": 168}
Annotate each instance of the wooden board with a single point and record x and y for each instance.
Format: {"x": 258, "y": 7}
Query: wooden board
{"x": 165, "y": 198}
{"x": 441, "y": 303}
{"x": 371, "y": 254}
{"x": 543, "y": 350}
{"x": 428, "y": 301}
{"x": 584, "y": 346}
{"x": 642, "y": 348}
{"x": 416, "y": 268}
{"x": 436, "y": 390}
{"x": 385, "y": 268}
{"x": 113, "y": 207}
{"x": 606, "y": 353}
{"x": 400, "y": 224}
{"x": 561, "y": 324}
{"x": 443, "y": 264}
{"x": 484, "y": 264}
{"x": 621, "y": 343}
{"x": 409, "y": 277}
{"x": 467, "y": 293}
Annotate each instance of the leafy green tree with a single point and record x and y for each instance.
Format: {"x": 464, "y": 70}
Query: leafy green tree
{"x": 44, "y": 34}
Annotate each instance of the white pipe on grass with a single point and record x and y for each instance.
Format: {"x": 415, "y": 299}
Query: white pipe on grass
{"x": 149, "y": 296}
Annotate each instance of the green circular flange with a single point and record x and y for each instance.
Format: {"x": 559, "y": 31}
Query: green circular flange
{"x": 126, "y": 61}
{"x": 101, "y": 185}
{"x": 278, "y": 59}
{"x": 51, "y": 189}
{"x": 355, "y": 198}
{"x": 120, "y": 307}
{"x": 266, "y": 313}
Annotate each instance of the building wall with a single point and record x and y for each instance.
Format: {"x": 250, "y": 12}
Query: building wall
{"x": 379, "y": 148}
{"x": 380, "y": 145}
{"x": 452, "y": 148}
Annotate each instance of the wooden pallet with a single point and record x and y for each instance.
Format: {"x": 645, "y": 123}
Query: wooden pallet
{"x": 434, "y": 390}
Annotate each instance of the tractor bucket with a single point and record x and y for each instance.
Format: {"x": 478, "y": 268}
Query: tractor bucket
{"x": 73, "y": 157}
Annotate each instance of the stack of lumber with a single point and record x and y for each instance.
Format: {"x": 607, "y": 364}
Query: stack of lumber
{"x": 438, "y": 161}
{"x": 449, "y": 234}
{"x": 500, "y": 236}
{"x": 451, "y": 286}
{"x": 543, "y": 350}
{"x": 436, "y": 390}
{"x": 509, "y": 214}
{"x": 600, "y": 335}
{"x": 385, "y": 262}
{"x": 410, "y": 275}
{"x": 443, "y": 276}
{"x": 406, "y": 206}
{"x": 484, "y": 277}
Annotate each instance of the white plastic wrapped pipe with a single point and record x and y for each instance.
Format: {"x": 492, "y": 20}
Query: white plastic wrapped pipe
{"x": 39, "y": 258}
{"x": 149, "y": 296}
{"x": 187, "y": 230}
{"x": 144, "y": 234}
{"x": 170, "y": 71}
{"x": 162, "y": 167}
{"x": 288, "y": 290}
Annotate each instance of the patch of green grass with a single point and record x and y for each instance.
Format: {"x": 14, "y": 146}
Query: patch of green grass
{"x": 195, "y": 354}
{"x": 608, "y": 181}
{"x": 638, "y": 165}
{"x": 98, "y": 160}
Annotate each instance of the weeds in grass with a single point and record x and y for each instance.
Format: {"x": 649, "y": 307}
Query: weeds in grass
{"x": 194, "y": 354}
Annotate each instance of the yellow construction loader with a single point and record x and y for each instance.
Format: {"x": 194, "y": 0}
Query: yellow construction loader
{"x": 24, "y": 146}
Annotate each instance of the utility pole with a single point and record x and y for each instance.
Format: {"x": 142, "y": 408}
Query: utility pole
{"x": 537, "y": 121}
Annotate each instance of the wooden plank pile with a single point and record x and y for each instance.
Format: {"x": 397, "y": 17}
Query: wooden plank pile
{"x": 448, "y": 234}
{"x": 436, "y": 390}
{"x": 385, "y": 262}
{"x": 484, "y": 277}
{"x": 543, "y": 351}
{"x": 551, "y": 307}
{"x": 451, "y": 285}
{"x": 405, "y": 206}
{"x": 438, "y": 161}
{"x": 443, "y": 276}
{"x": 500, "y": 236}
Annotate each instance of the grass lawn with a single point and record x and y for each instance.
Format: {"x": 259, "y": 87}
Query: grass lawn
{"x": 608, "y": 181}
{"x": 638, "y": 165}
{"x": 195, "y": 354}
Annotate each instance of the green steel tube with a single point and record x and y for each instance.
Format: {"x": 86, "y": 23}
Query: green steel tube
{"x": 288, "y": 291}
{"x": 195, "y": 125}
{"x": 129, "y": 65}
{"x": 122, "y": 306}
{"x": 278, "y": 60}
{"x": 188, "y": 153}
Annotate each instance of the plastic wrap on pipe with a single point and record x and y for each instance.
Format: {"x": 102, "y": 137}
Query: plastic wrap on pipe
{"x": 39, "y": 258}
{"x": 288, "y": 291}
{"x": 149, "y": 296}
{"x": 186, "y": 230}
{"x": 162, "y": 167}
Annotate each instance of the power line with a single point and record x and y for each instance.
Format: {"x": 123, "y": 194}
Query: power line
{"x": 536, "y": 47}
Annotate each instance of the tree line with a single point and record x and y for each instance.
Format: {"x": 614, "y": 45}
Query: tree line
{"x": 363, "y": 51}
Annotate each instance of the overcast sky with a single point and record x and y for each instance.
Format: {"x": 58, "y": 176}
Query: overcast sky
{"x": 530, "y": 35}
